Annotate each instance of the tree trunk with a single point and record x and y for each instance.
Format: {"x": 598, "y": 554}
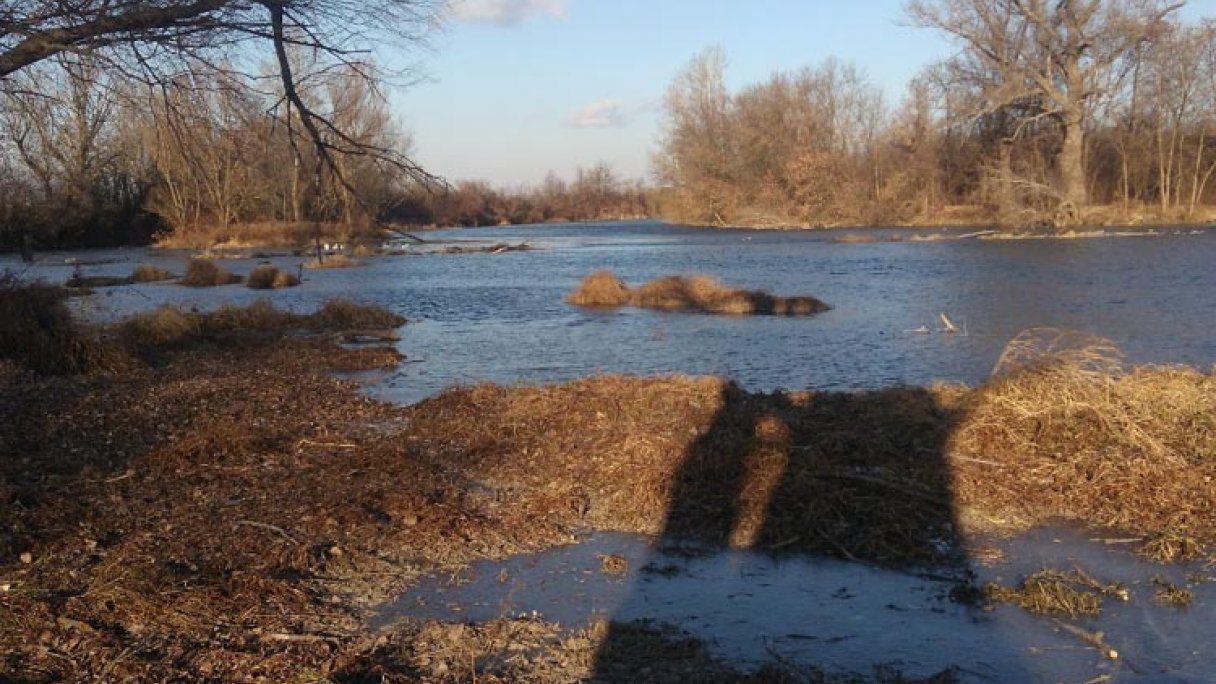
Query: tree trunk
{"x": 1071, "y": 164}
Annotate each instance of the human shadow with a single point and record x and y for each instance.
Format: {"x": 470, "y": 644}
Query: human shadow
{"x": 859, "y": 477}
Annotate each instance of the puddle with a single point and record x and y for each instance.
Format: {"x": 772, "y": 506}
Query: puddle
{"x": 845, "y": 617}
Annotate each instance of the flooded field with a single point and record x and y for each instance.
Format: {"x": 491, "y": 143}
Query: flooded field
{"x": 501, "y": 316}
{"x": 479, "y": 314}
{"x": 847, "y": 618}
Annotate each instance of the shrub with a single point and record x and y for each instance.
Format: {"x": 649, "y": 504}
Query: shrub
{"x": 266, "y": 277}
{"x": 204, "y": 273}
{"x": 39, "y": 332}
{"x": 344, "y": 314}
{"x": 147, "y": 273}
{"x": 600, "y": 289}
{"x": 162, "y": 327}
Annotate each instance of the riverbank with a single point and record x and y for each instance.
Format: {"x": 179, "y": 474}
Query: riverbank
{"x": 1093, "y": 221}
{"x": 225, "y": 509}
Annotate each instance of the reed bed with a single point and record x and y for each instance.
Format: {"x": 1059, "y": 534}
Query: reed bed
{"x": 205, "y": 273}
{"x": 147, "y": 273}
{"x": 267, "y": 277}
{"x": 693, "y": 294}
{"x": 1072, "y": 433}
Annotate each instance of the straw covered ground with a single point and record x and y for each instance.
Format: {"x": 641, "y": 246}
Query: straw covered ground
{"x": 221, "y": 508}
{"x": 694, "y": 294}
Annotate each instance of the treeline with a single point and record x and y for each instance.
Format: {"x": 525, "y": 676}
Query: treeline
{"x": 595, "y": 194}
{"x": 1052, "y": 113}
{"x": 90, "y": 159}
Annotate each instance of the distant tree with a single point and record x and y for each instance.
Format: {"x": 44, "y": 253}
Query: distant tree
{"x": 1057, "y": 55}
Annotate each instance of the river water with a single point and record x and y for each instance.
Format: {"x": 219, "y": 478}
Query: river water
{"x": 501, "y": 317}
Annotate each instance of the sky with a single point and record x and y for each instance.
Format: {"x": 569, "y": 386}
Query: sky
{"x": 512, "y": 89}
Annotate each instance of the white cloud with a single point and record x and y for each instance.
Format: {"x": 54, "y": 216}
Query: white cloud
{"x": 503, "y": 12}
{"x": 601, "y": 114}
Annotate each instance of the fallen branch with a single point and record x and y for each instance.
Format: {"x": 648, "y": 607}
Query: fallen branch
{"x": 265, "y": 526}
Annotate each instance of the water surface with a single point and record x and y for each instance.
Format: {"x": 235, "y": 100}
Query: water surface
{"x": 501, "y": 317}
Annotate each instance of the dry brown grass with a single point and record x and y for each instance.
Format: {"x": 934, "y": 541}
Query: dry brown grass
{"x": 334, "y": 261}
{"x": 169, "y": 326}
{"x": 204, "y": 273}
{"x": 162, "y": 327}
{"x": 346, "y": 314}
{"x": 255, "y": 235}
{"x": 267, "y": 277}
{"x": 600, "y": 289}
{"x": 1048, "y": 592}
{"x": 693, "y": 294}
{"x": 147, "y": 273}
{"x": 39, "y": 332}
{"x": 1073, "y": 434}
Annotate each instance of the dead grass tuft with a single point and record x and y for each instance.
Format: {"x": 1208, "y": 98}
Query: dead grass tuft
{"x": 38, "y": 331}
{"x": 1173, "y": 594}
{"x": 1172, "y": 546}
{"x": 164, "y": 326}
{"x": 600, "y": 289}
{"x": 345, "y": 314}
{"x": 1069, "y": 432}
{"x": 1048, "y": 592}
{"x": 170, "y": 326}
{"x": 694, "y": 294}
{"x": 204, "y": 273}
{"x": 267, "y": 277}
{"x": 334, "y": 261}
{"x": 147, "y": 273}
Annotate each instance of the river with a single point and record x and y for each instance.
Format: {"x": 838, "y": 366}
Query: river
{"x": 501, "y": 317}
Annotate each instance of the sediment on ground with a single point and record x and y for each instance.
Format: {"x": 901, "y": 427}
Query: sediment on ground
{"x": 233, "y": 512}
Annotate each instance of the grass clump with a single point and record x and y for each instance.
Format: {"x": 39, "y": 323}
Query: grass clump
{"x": 346, "y": 314}
{"x": 267, "y": 277}
{"x": 694, "y": 294}
{"x": 40, "y": 333}
{"x": 1068, "y": 431}
{"x": 1049, "y": 592}
{"x": 204, "y": 273}
{"x": 169, "y": 326}
{"x": 164, "y": 326}
{"x": 334, "y": 261}
{"x": 600, "y": 289}
{"x": 1173, "y": 594}
{"x": 147, "y": 273}
{"x": 1171, "y": 546}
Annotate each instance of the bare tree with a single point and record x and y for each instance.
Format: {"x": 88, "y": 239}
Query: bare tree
{"x": 1059, "y": 54}
{"x": 154, "y": 41}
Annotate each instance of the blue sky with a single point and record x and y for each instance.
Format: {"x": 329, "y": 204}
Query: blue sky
{"x": 516, "y": 88}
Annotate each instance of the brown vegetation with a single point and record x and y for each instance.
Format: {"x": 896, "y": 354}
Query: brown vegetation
{"x": 147, "y": 273}
{"x": 1074, "y": 593}
{"x": 266, "y": 277}
{"x": 694, "y": 294}
{"x": 600, "y": 289}
{"x": 230, "y": 515}
{"x": 1041, "y": 112}
{"x": 204, "y": 273}
{"x": 40, "y": 333}
{"x": 1076, "y": 435}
